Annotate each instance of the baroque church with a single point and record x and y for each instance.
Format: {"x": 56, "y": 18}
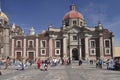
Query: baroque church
{"x": 74, "y": 40}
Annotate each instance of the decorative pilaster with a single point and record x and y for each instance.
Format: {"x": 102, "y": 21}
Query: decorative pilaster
{"x": 79, "y": 49}
{"x": 64, "y": 47}
{"x": 86, "y": 48}
{"x": 36, "y": 47}
{"x": 24, "y": 48}
{"x": 6, "y": 42}
{"x": 101, "y": 47}
{"x": 113, "y": 50}
{"x": 12, "y": 51}
{"x": 50, "y": 47}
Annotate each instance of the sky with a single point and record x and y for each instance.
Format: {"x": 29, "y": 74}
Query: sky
{"x": 42, "y": 13}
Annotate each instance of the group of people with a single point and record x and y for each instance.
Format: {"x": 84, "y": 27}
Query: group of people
{"x": 99, "y": 63}
{"x": 43, "y": 64}
{"x": 113, "y": 64}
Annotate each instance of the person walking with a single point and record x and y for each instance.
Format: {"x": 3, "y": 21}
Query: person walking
{"x": 100, "y": 63}
{"x": 39, "y": 63}
{"x": 80, "y": 62}
{"x": 97, "y": 63}
{"x": 0, "y": 73}
{"x": 7, "y": 62}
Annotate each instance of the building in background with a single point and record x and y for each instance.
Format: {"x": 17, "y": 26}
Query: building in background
{"x": 117, "y": 51}
{"x": 74, "y": 40}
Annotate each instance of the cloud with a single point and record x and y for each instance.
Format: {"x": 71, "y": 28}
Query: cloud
{"x": 97, "y": 11}
{"x": 114, "y": 26}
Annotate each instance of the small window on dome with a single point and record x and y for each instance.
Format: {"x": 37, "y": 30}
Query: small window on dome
{"x": 66, "y": 23}
{"x": 81, "y": 23}
{"x": 74, "y": 22}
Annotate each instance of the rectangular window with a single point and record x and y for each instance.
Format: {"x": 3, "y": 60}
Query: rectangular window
{"x": 66, "y": 23}
{"x": 30, "y": 43}
{"x": 57, "y": 43}
{"x": 74, "y": 22}
{"x": 107, "y": 43}
{"x": 92, "y": 51}
{"x": 57, "y": 52}
{"x": 92, "y": 44}
{"x": 107, "y": 51}
{"x": 18, "y": 43}
{"x": 43, "y": 52}
{"x": 43, "y": 43}
{"x": 74, "y": 37}
{"x": 81, "y": 23}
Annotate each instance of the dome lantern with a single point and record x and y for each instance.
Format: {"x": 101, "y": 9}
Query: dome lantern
{"x": 73, "y": 14}
{"x": 72, "y": 7}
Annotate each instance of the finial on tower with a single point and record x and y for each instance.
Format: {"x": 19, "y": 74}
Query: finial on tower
{"x": 99, "y": 23}
{"x": 72, "y": 7}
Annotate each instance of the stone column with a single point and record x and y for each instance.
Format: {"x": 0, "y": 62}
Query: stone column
{"x": 50, "y": 47}
{"x": 12, "y": 51}
{"x": 101, "y": 47}
{"x": 37, "y": 47}
{"x": 113, "y": 50}
{"x": 64, "y": 47}
{"x": 86, "y": 48}
{"x": 6, "y": 43}
{"x": 71, "y": 53}
{"x": 79, "y": 49}
{"x": 24, "y": 47}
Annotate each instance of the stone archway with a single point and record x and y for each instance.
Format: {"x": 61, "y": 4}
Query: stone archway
{"x": 75, "y": 55}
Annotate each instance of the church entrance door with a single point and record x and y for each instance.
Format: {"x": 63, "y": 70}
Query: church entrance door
{"x": 75, "y": 55}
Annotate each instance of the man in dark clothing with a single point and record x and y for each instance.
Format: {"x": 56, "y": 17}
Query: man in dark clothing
{"x": 80, "y": 62}
{"x": 0, "y": 73}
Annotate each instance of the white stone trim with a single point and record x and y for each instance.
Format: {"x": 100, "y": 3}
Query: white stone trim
{"x": 13, "y": 48}
{"x": 64, "y": 46}
{"x": 86, "y": 48}
{"x": 36, "y": 47}
{"x": 50, "y": 47}
{"x": 24, "y": 47}
{"x": 101, "y": 47}
{"x": 106, "y": 51}
{"x": 92, "y": 49}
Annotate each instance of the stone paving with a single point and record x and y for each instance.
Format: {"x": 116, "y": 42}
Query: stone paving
{"x": 62, "y": 72}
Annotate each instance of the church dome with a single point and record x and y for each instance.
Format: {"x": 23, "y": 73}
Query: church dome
{"x": 73, "y": 14}
{"x": 3, "y": 16}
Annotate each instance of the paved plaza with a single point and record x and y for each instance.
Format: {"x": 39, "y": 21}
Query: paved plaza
{"x": 61, "y": 72}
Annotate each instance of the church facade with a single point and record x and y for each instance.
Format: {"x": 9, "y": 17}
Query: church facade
{"x": 74, "y": 40}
